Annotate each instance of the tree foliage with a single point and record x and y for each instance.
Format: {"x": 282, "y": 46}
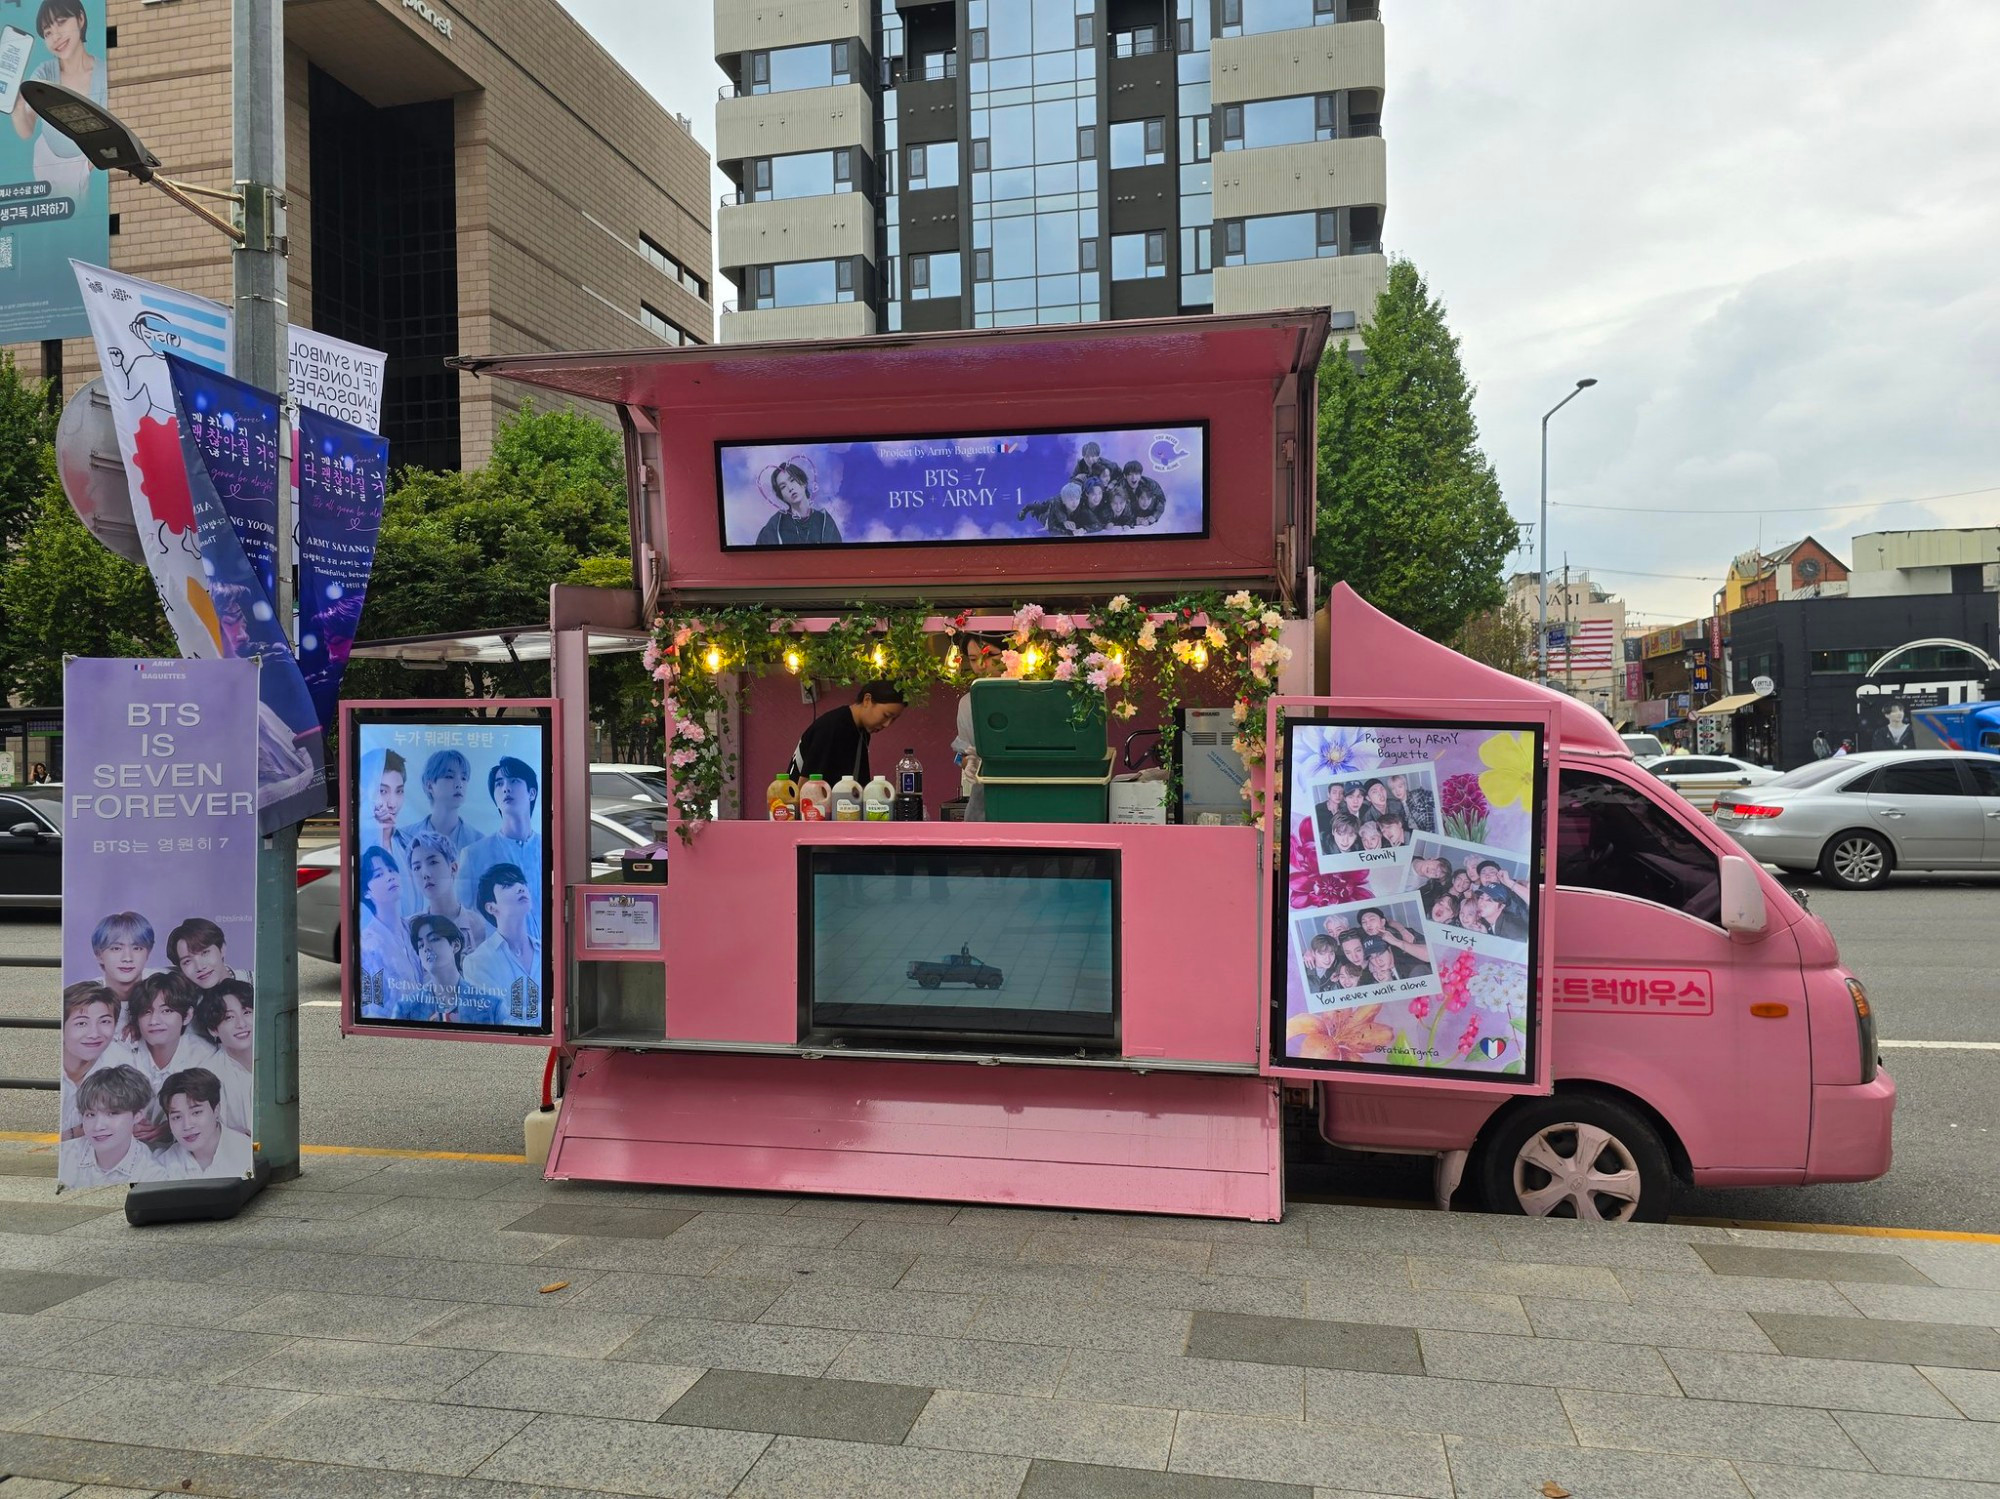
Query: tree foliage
{"x": 27, "y": 427}
{"x": 1410, "y": 512}
{"x": 63, "y": 593}
{"x": 1503, "y": 638}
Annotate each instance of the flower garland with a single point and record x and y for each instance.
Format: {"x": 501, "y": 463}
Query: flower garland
{"x": 1107, "y": 657}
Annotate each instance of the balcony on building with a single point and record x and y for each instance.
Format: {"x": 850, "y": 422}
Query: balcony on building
{"x": 821, "y": 298}
{"x": 781, "y": 101}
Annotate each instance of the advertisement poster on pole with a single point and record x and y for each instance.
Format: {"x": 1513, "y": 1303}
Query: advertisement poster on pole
{"x": 1408, "y": 918}
{"x": 343, "y": 475}
{"x": 54, "y": 205}
{"x": 159, "y": 921}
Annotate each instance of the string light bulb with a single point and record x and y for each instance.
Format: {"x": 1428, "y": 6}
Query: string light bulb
{"x": 793, "y": 660}
{"x": 712, "y": 659}
{"x": 1198, "y": 655}
{"x": 1031, "y": 658}
{"x": 951, "y": 659}
{"x": 879, "y": 657}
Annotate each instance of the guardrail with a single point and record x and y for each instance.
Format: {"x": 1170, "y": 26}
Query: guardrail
{"x": 30, "y": 1023}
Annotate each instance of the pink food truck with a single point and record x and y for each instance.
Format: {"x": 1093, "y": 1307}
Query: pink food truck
{"x": 1183, "y": 847}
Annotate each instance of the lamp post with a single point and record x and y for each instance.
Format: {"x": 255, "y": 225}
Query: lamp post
{"x": 262, "y": 357}
{"x": 1542, "y": 578}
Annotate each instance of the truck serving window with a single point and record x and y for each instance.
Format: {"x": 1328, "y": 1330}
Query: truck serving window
{"x": 1609, "y": 837}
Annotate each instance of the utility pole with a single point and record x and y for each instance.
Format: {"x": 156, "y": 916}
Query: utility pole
{"x": 263, "y": 359}
{"x": 1542, "y": 577}
{"x": 1569, "y": 631}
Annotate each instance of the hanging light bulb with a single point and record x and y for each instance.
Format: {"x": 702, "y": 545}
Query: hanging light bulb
{"x": 793, "y": 660}
{"x": 1198, "y": 655}
{"x": 712, "y": 659}
{"x": 879, "y": 657}
{"x": 951, "y": 659}
{"x": 1031, "y": 658}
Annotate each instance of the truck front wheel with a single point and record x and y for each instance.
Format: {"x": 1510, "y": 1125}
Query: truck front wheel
{"x": 1576, "y": 1155}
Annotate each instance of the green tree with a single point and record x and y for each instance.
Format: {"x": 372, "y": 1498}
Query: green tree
{"x": 27, "y": 427}
{"x": 1503, "y": 638}
{"x": 1410, "y": 513}
{"x": 62, "y": 593}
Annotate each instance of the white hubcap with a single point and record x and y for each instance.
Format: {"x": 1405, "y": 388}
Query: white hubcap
{"x": 1858, "y": 860}
{"x": 1576, "y": 1171}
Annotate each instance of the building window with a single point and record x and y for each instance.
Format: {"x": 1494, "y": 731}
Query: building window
{"x": 920, "y": 275}
{"x": 843, "y": 62}
{"x": 931, "y": 165}
{"x": 1138, "y": 143}
{"x": 783, "y": 69}
{"x": 1086, "y": 143}
{"x": 1253, "y": 17}
{"x": 1844, "y": 663}
{"x": 1281, "y": 236}
{"x": 1138, "y": 257}
{"x": 976, "y": 40}
{"x": 663, "y": 327}
{"x": 933, "y": 276}
{"x": 1278, "y": 122}
{"x": 982, "y": 265}
{"x": 663, "y": 260}
{"x": 843, "y": 169}
{"x": 1086, "y": 254}
{"x": 1086, "y": 31}
{"x": 982, "y": 154}
{"x": 805, "y": 283}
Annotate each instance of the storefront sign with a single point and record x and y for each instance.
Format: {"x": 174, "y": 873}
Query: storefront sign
{"x": 159, "y": 920}
{"x": 53, "y": 203}
{"x": 621, "y": 921}
{"x": 974, "y": 489}
{"x": 1664, "y": 642}
{"x": 1408, "y": 920}
{"x": 1635, "y": 680}
{"x": 343, "y": 473}
{"x": 447, "y": 824}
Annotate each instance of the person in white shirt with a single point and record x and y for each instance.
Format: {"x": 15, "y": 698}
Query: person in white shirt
{"x": 195, "y": 947}
{"x": 384, "y": 778}
{"x": 447, "y": 776}
{"x": 89, "y": 1040}
{"x": 516, "y": 793}
{"x": 509, "y": 963}
{"x": 122, "y": 943}
{"x": 162, "y": 1011}
{"x": 434, "y": 876}
{"x": 113, "y": 1102}
{"x": 203, "y": 1145}
{"x": 224, "y": 1017}
{"x": 388, "y": 966}
{"x": 446, "y": 994}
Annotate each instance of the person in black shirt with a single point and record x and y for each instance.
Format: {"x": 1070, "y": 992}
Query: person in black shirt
{"x": 800, "y": 523}
{"x": 836, "y": 743}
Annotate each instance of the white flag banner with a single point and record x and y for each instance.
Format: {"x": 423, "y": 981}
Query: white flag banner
{"x": 341, "y": 379}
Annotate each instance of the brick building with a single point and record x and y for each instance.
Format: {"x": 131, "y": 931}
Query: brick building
{"x": 465, "y": 177}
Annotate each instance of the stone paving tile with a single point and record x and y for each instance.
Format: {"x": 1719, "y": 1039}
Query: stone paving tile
{"x": 1925, "y": 1303}
{"x": 214, "y": 1262}
{"x": 1064, "y": 1221}
{"x": 1811, "y": 1264}
{"x": 597, "y": 1222}
{"x": 1388, "y": 1462}
{"x": 331, "y": 1314}
{"x": 399, "y": 1213}
{"x": 26, "y": 1339}
{"x": 25, "y": 1292}
{"x": 1973, "y": 1266}
{"x": 46, "y": 1217}
{"x": 644, "y": 1256}
{"x": 790, "y": 1405}
{"x": 496, "y": 1285}
{"x": 1525, "y": 1415}
{"x": 1205, "y": 1293}
{"x": 795, "y": 1467}
{"x": 1082, "y": 1249}
{"x": 1173, "y": 1382}
{"x": 162, "y": 1302}
{"x": 557, "y": 1330}
{"x": 731, "y": 1345}
{"x": 932, "y": 1272}
{"x": 572, "y": 1386}
{"x": 26, "y": 1392}
{"x": 712, "y": 1298}
{"x": 1975, "y": 1393}
{"x": 1712, "y": 1428}
{"x": 1611, "y": 1253}
{"x": 1770, "y": 1482}
{"x": 1359, "y": 1267}
{"x": 200, "y": 1355}
{"x": 870, "y": 1207}
{"x": 628, "y": 1457}
{"x": 958, "y": 1363}
{"x": 815, "y": 1266}
{"x": 1878, "y": 1341}
{"x": 317, "y": 1204}
{"x": 453, "y": 1241}
{"x": 1924, "y": 1448}
{"x": 974, "y": 1241}
{"x": 1628, "y": 1368}
{"x": 1080, "y": 1431}
{"x": 1468, "y": 1311}
{"x": 333, "y": 1366}
{"x": 1517, "y": 1278}
{"x": 1831, "y": 1384}
{"x": 1492, "y": 1470}
{"x": 116, "y": 1410}
{"x": 1398, "y": 1231}
{"x": 1674, "y": 1290}
{"x": 1304, "y": 1343}
{"x": 36, "y": 1488}
{"x": 1603, "y": 1322}
{"x": 1074, "y": 1324}
{"x": 777, "y": 1228}
{"x": 463, "y": 1179}
{"x": 1048, "y": 1479}
{"x": 310, "y": 1270}
{"x": 401, "y": 1435}
{"x": 924, "y": 1313}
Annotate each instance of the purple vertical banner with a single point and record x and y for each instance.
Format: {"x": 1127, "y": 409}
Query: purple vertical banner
{"x": 343, "y": 474}
{"x": 159, "y": 937}
{"x": 229, "y": 441}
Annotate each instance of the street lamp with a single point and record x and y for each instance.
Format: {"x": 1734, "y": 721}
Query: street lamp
{"x": 1542, "y": 613}
{"x": 256, "y": 226}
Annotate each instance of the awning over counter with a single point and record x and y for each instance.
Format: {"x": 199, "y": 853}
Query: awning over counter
{"x": 1730, "y": 704}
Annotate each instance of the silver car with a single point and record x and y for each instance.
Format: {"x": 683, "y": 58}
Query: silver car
{"x": 1856, "y": 818}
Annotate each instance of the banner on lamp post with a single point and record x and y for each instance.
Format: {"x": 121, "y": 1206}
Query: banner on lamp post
{"x": 159, "y": 930}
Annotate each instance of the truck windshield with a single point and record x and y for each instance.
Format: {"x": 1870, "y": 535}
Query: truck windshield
{"x": 1611, "y": 837}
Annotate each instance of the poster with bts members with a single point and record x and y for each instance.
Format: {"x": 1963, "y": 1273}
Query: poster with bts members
{"x": 448, "y": 825}
{"x": 159, "y": 943}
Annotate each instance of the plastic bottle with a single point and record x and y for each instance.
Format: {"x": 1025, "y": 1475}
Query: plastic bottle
{"x": 909, "y": 806}
{"x": 782, "y": 799}
{"x": 814, "y": 798}
{"x": 847, "y": 800}
{"x": 878, "y": 800}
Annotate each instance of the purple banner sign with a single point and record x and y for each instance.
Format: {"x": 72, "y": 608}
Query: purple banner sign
{"x": 950, "y": 489}
{"x": 229, "y": 441}
{"x": 343, "y": 474}
{"x": 159, "y": 920}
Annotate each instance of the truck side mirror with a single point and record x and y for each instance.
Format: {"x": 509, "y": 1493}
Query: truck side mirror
{"x": 1743, "y": 912}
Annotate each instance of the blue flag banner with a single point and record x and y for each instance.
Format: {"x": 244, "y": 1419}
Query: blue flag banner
{"x": 229, "y": 444}
{"x": 343, "y": 473}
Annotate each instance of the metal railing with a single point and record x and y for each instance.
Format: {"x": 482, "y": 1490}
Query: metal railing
{"x": 30, "y": 1023}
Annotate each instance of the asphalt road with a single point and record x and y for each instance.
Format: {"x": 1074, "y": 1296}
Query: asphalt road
{"x": 1928, "y": 949}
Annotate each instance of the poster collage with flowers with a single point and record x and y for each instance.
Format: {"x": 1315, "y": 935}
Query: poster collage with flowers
{"x": 1409, "y": 904}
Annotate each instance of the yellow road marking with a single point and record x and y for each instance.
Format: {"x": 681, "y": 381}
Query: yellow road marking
{"x": 1858, "y": 1230}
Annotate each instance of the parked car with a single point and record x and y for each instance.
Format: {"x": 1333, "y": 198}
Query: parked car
{"x": 960, "y": 967}
{"x": 1703, "y": 778}
{"x": 1857, "y": 818}
{"x": 1643, "y": 746}
{"x": 31, "y": 846}
{"x": 627, "y": 783}
{"x": 622, "y": 826}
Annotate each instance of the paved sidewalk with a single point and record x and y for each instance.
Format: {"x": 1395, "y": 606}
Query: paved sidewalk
{"x": 463, "y": 1330}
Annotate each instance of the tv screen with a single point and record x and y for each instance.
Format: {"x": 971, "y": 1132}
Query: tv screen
{"x": 961, "y": 945}
{"x": 966, "y": 489}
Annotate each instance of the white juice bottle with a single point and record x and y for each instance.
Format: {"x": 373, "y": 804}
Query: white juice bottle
{"x": 847, "y": 800}
{"x": 877, "y": 798}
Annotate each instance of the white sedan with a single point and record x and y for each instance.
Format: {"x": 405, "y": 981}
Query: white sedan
{"x": 1704, "y": 778}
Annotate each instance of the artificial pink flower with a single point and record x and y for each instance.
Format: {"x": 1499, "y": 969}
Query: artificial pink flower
{"x": 1311, "y": 888}
{"x": 1061, "y": 626}
{"x": 1065, "y": 671}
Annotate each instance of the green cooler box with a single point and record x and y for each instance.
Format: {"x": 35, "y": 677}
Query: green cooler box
{"x": 1036, "y": 764}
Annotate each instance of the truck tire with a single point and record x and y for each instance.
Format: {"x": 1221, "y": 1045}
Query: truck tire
{"x": 1576, "y": 1155}
{"x": 929, "y": 981}
{"x": 1857, "y": 860}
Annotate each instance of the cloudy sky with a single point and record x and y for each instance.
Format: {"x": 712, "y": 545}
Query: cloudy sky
{"x": 1758, "y": 223}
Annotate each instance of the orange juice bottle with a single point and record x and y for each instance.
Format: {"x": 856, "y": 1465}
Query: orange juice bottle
{"x": 782, "y": 798}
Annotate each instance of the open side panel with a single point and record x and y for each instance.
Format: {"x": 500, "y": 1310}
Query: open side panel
{"x": 1410, "y": 919}
{"x": 451, "y": 830}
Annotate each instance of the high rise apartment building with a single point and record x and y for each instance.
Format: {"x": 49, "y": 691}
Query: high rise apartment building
{"x": 908, "y": 165}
